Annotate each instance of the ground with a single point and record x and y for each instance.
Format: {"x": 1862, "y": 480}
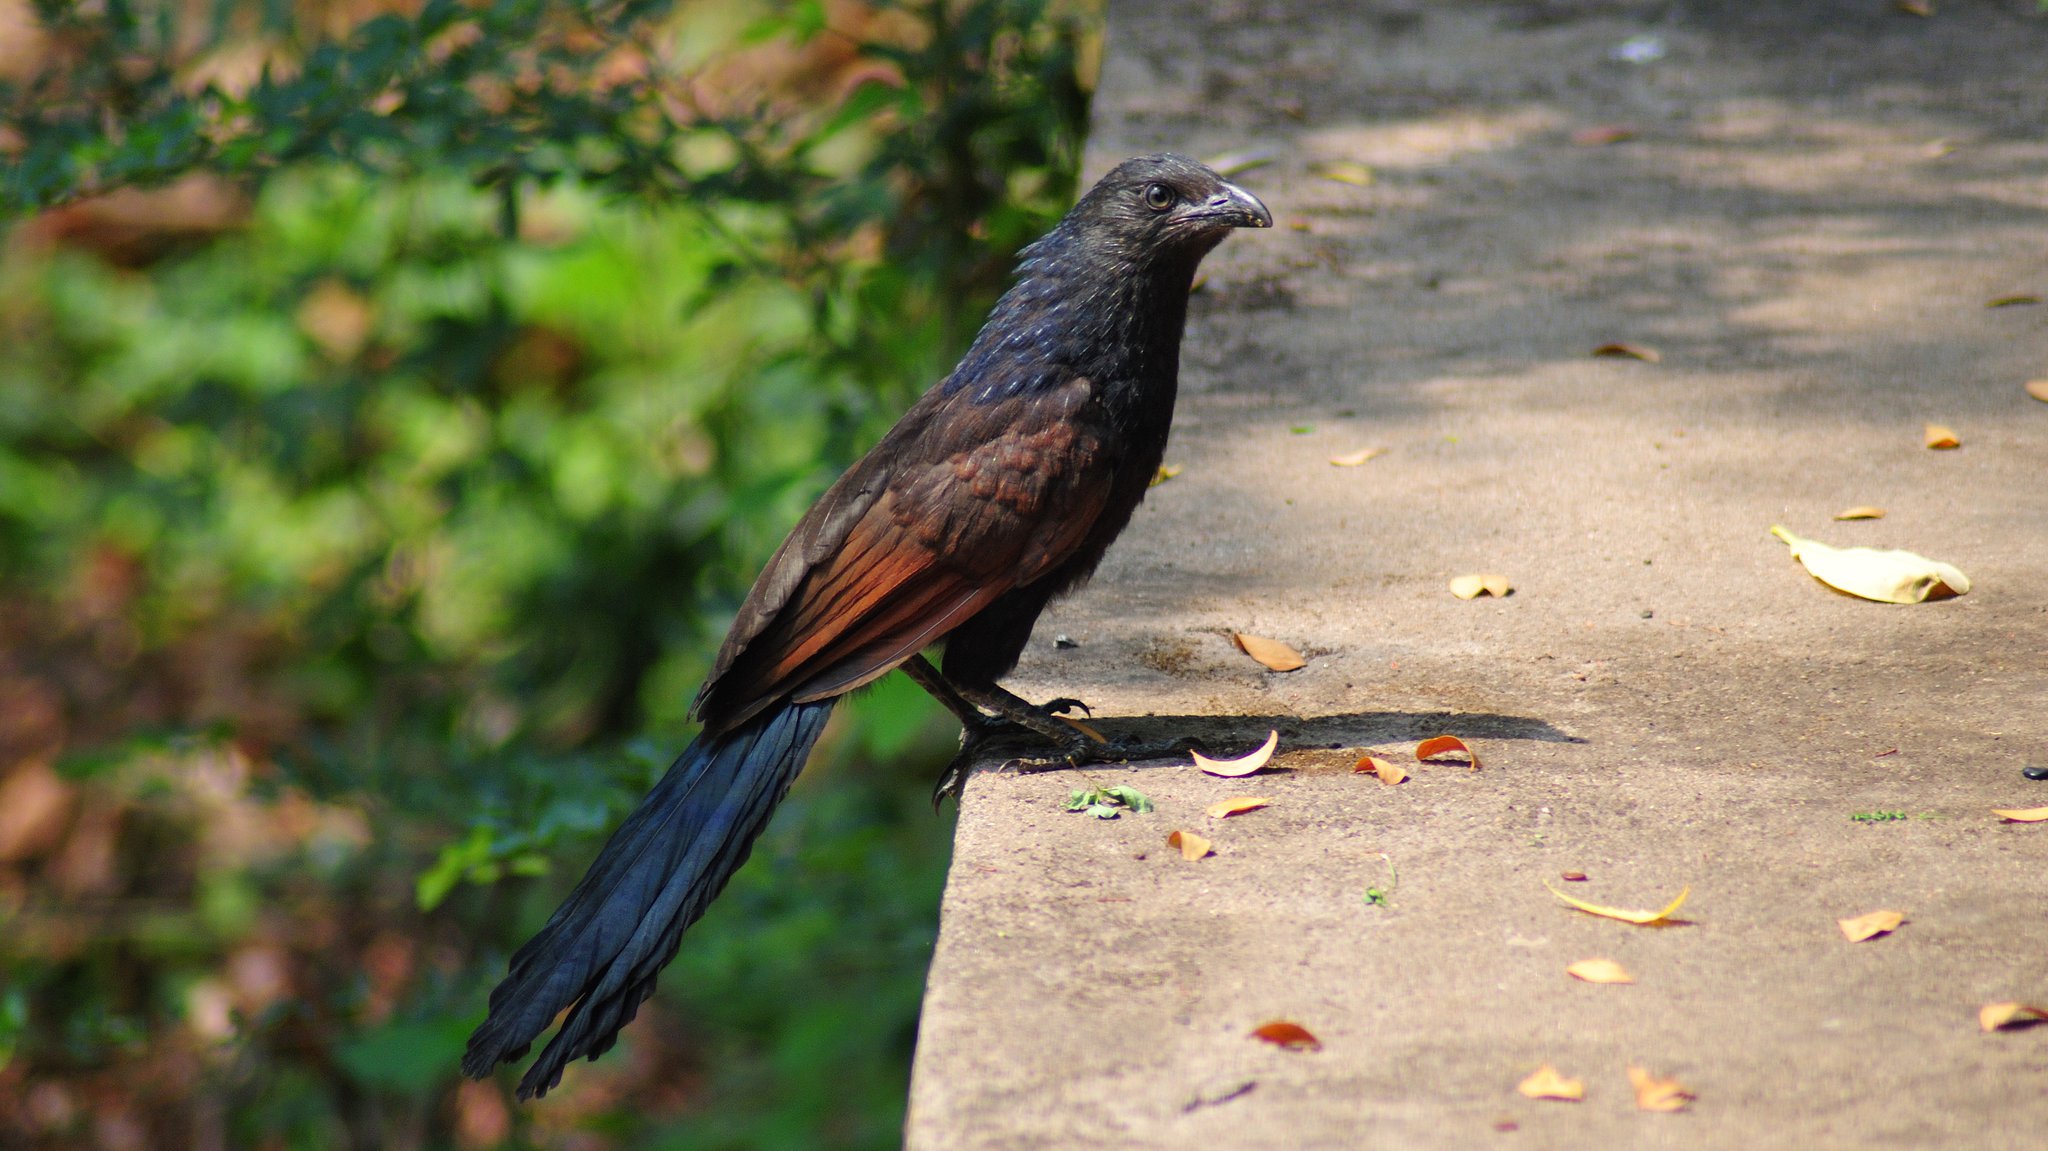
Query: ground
{"x": 1814, "y": 206}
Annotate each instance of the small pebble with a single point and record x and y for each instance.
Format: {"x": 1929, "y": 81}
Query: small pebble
{"x": 2035, "y": 772}
{"x": 1649, "y": 615}
{"x": 1060, "y": 641}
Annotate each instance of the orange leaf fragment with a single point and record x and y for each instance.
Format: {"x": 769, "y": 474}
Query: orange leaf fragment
{"x": 1547, "y": 1082}
{"x": 1626, "y": 916}
{"x": 1941, "y": 437}
{"x": 1388, "y": 772}
{"x": 1190, "y": 845}
{"x": 2038, "y": 389}
{"x": 1573, "y": 877}
{"x": 1870, "y": 926}
{"x": 1860, "y": 512}
{"x": 1469, "y": 586}
{"x": 1620, "y": 350}
{"x": 1275, "y": 655}
{"x": 2021, "y": 814}
{"x": 1601, "y": 135}
{"x": 2011, "y": 300}
{"x": 1353, "y": 459}
{"x": 2008, "y": 1015}
{"x": 1654, "y": 1094}
{"x": 1084, "y": 728}
{"x": 1443, "y": 744}
{"x": 1291, "y": 1036}
{"x": 1243, "y": 765}
{"x": 1599, "y": 971}
{"x": 1236, "y": 805}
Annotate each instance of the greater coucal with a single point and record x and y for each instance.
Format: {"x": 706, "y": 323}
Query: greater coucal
{"x": 1000, "y": 489}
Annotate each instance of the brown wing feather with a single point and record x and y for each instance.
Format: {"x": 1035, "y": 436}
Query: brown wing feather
{"x": 923, "y": 533}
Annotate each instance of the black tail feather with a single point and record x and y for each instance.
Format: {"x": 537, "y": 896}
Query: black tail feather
{"x": 602, "y": 949}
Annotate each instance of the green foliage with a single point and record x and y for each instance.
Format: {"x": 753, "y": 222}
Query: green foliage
{"x": 371, "y": 551}
{"x": 1108, "y": 802}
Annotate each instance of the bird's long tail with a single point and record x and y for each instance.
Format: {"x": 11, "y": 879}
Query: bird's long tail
{"x": 602, "y": 949}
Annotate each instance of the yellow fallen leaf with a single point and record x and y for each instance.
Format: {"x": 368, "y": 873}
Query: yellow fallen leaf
{"x": 1643, "y": 352}
{"x": 1190, "y": 845}
{"x": 1443, "y": 744}
{"x": 1353, "y": 459}
{"x": 1869, "y": 926}
{"x": 2012, "y": 300}
{"x": 1599, "y": 971}
{"x": 2022, "y": 815}
{"x": 1602, "y": 135}
{"x": 2038, "y": 389}
{"x": 1623, "y": 914}
{"x": 1654, "y": 1094}
{"x": 1084, "y": 728}
{"x": 1236, "y": 805}
{"x": 1469, "y": 586}
{"x": 1884, "y": 576}
{"x": 1242, "y": 161}
{"x": 1275, "y": 655}
{"x": 1292, "y": 1036}
{"x": 1860, "y": 512}
{"x": 1549, "y": 1083}
{"x": 1941, "y": 437}
{"x": 1343, "y": 171}
{"x": 1165, "y": 473}
{"x": 1242, "y": 765}
{"x": 1388, "y": 772}
{"x": 2001, "y": 1016}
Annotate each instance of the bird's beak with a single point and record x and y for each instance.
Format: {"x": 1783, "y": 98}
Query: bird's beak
{"x": 1234, "y": 207}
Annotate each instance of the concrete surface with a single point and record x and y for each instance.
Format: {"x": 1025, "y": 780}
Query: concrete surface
{"x": 1817, "y": 204}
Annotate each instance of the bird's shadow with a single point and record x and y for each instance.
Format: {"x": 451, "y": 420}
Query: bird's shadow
{"x": 1144, "y": 741}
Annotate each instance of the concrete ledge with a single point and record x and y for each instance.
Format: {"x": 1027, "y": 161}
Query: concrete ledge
{"x": 1817, "y": 202}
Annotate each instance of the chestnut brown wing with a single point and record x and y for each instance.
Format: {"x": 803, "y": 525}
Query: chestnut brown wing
{"x": 962, "y": 502}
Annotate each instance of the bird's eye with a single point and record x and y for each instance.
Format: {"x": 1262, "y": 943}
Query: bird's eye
{"x": 1158, "y": 197}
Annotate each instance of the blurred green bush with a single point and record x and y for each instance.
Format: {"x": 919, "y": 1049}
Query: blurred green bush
{"x": 370, "y": 508}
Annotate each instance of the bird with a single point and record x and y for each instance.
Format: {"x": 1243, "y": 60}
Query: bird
{"x": 998, "y": 490}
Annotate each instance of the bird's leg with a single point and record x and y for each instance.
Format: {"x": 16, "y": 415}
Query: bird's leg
{"x": 1010, "y": 710}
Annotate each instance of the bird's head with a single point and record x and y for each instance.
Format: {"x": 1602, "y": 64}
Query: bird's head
{"x": 1166, "y": 206}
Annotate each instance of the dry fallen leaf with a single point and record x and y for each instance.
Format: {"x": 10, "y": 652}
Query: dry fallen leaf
{"x": 1941, "y": 437}
{"x": 1353, "y": 459}
{"x": 2010, "y": 1014}
{"x": 1190, "y": 845}
{"x": 1388, "y": 772}
{"x": 2038, "y": 389}
{"x": 1623, "y": 914}
{"x": 1275, "y": 655}
{"x": 1442, "y": 744}
{"x": 1599, "y": 971}
{"x": 2012, "y": 300}
{"x": 1084, "y": 728}
{"x": 1165, "y": 473}
{"x": 2022, "y": 815}
{"x": 1469, "y": 586}
{"x": 1884, "y": 576}
{"x": 1861, "y": 512}
{"x": 1602, "y": 134}
{"x": 1643, "y": 352}
{"x": 1236, "y": 805}
{"x": 1343, "y": 171}
{"x": 1548, "y": 1083}
{"x": 1292, "y": 1036}
{"x": 1654, "y": 1094}
{"x": 1921, "y": 8}
{"x": 1869, "y": 926}
{"x": 1242, "y": 765}
{"x": 1573, "y": 877}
